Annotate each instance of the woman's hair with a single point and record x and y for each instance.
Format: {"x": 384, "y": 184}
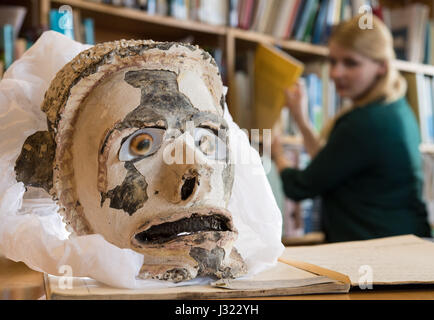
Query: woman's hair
{"x": 375, "y": 43}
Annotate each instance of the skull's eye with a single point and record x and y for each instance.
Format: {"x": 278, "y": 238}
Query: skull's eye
{"x": 211, "y": 146}
{"x": 207, "y": 144}
{"x": 143, "y": 143}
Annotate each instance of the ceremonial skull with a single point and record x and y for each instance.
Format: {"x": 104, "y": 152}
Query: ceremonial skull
{"x": 136, "y": 150}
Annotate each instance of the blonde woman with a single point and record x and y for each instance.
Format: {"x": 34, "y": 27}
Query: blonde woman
{"x": 366, "y": 165}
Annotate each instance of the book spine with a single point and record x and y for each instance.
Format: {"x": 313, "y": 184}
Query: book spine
{"x": 8, "y": 45}
{"x": 292, "y": 19}
{"x": 299, "y": 17}
{"x": 131, "y": 4}
{"x": 152, "y": 7}
{"x": 62, "y": 22}
{"x": 233, "y": 13}
{"x": 213, "y": 12}
{"x": 89, "y": 31}
{"x": 420, "y": 87}
{"x": 320, "y": 22}
{"x": 307, "y": 36}
{"x": 428, "y": 105}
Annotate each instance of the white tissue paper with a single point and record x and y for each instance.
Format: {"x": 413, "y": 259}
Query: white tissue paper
{"x": 30, "y": 228}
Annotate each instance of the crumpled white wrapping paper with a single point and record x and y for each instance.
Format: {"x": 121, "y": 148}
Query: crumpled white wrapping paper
{"x": 30, "y": 228}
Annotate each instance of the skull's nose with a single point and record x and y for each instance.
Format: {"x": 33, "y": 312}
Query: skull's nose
{"x": 188, "y": 187}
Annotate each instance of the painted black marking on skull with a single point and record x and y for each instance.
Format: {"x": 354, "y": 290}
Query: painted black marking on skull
{"x": 34, "y": 166}
{"x": 131, "y": 195}
{"x": 160, "y": 100}
{"x": 209, "y": 261}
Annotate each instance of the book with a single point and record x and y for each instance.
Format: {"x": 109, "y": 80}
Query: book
{"x": 213, "y": 12}
{"x": 275, "y": 71}
{"x": 330, "y": 19}
{"x": 194, "y": 6}
{"x": 89, "y": 31}
{"x": 264, "y": 16}
{"x": 151, "y": 7}
{"x": 408, "y": 27}
{"x": 180, "y": 9}
{"x": 131, "y": 4}
{"x": 246, "y": 14}
{"x": 271, "y": 19}
{"x": 308, "y": 32}
{"x": 320, "y": 23}
{"x": 162, "y": 8}
{"x": 258, "y": 15}
{"x": 77, "y": 25}
{"x": 282, "y": 18}
{"x": 233, "y": 13}
{"x": 391, "y": 261}
{"x": 346, "y": 10}
{"x": 356, "y": 5}
{"x": 7, "y": 45}
{"x": 242, "y": 92}
{"x": 337, "y": 12}
{"x": 62, "y": 22}
{"x": 298, "y": 18}
{"x": 292, "y": 19}
{"x": 428, "y": 106}
{"x": 325, "y": 268}
{"x": 428, "y": 46}
{"x": 280, "y": 280}
{"x": 14, "y": 16}
{"x": 431, "y": 57}
{"x": 244, "y": 88}
{"x": 415, "y": 96}
{"x": 315, "y": 101}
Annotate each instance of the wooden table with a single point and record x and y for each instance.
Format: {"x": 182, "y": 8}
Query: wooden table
{"x": 18, "y": 282}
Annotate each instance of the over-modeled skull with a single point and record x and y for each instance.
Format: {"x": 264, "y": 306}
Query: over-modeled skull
{"x": 136, "y": 151}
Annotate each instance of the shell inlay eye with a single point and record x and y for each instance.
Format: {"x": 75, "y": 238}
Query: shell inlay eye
{"x": 141, "y": 144}
{"x": 207, "y": 145}
{"x": 211, "y": 145}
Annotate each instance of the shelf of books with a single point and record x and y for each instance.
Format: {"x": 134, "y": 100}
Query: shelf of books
{"x": 150, "y": 16}
{"x": 195, "y": 18}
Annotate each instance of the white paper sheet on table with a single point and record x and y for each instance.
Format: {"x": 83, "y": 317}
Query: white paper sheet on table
{"x": 30, "y": 228}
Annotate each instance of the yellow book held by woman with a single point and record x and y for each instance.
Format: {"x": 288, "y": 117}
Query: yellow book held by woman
{"x": 275, "y": 71}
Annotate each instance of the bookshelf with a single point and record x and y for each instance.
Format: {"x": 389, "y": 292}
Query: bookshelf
{"x": 114, "y": 22}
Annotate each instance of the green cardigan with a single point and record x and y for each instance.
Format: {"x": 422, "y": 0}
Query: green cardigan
{"x": 369, "y": 175}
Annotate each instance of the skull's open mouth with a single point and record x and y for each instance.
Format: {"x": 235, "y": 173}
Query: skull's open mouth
{"x": 194, "y": 224}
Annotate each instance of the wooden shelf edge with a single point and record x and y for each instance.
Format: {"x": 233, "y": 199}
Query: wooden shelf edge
{"x": 427, "y": 148}
{"x": 407, "y": 66}
{"x": 291, "y": 45}
{"x": 313, "y": 238}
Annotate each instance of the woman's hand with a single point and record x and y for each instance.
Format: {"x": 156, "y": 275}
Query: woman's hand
{"x": 296, "y": 101}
